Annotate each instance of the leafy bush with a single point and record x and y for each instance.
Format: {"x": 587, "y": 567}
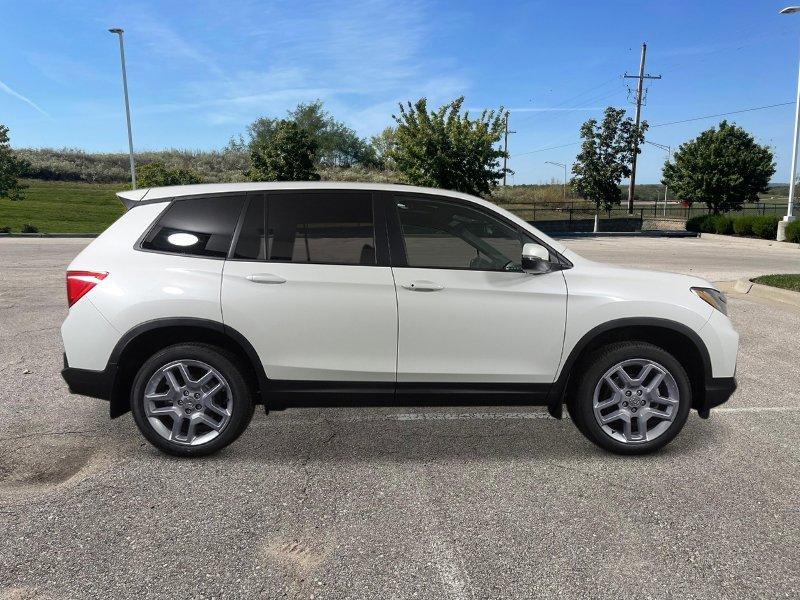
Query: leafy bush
{"x": 766, "y": 227}
{"x": 5, "y": 229}
{"x": 744, "y": 225}
{"x": 723, "y": 225}
{"x": 28, "y": 228}
{"x": 697, "y": 223}
{"x": 700, "y": 224}
{"x": 156, "y": 174}
{"x": 793, "y": 232}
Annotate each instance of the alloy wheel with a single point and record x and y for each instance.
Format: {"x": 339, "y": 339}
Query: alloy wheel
{"x": 636, "y": 401}
{"x": 188, "y": 402}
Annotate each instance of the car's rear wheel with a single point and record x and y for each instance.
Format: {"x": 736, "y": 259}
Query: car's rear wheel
{"x": 633, "y": 398}
{"x": 191, "y": 399}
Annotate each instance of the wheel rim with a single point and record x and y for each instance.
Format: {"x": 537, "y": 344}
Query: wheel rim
{"x": 636, "y": 401}
{"x": 188, "y": 402}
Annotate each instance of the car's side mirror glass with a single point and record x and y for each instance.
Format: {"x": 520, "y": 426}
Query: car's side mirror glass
{"x": 535, "y": 259}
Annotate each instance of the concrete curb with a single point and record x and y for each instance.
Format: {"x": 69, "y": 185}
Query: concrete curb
{"x": 49, "y": 235}
{"x": 652, "y": 234}
{"x": 747, "y": 241}
{"x": 745, "y": 286}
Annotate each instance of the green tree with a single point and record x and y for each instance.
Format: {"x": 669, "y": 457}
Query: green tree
{"x": 288, "y": 153}
{"x": 155, "y": 174}
{"x": 337, "y": 144}
{"x": 446, "y": 149}
{"x": 723, "y": 167}
{"x": 605, "y": 157}
{"x": 383, "y": 146}
{"x": 11, "y": 169}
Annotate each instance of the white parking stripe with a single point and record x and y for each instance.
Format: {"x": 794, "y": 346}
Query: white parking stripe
{"x": 495, "y": 416}
{"x": 755, "y": 409}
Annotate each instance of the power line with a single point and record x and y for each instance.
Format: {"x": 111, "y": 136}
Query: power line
{"x": 571, "y": 99}
{"x": 546, "y": 149}
{"x": 733, "y": 112}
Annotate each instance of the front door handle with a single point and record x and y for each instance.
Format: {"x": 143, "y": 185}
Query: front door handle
{"x": 422, "y": 285}
{"x": 265, "y": 278}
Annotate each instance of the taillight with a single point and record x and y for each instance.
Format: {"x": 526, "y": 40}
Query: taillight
{"x": 80, "y": 282}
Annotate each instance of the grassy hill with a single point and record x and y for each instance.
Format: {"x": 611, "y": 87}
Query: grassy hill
{"x": 63, "y": 207}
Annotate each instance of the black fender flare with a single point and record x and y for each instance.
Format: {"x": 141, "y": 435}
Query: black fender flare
{"x": 119, "y": 397}
{"x": 555, "y": 398}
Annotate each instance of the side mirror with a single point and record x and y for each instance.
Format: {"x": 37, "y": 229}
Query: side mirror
{"x": 535, "y": 259}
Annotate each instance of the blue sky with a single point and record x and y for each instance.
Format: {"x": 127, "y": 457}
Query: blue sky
{"x": 200, "y": 71}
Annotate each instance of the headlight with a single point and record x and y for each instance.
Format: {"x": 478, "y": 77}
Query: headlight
{"x": 713, "y": 297}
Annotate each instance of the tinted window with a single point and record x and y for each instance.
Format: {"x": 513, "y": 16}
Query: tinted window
{"x": 199, "y": 226}
{"x": 251, "y": 244}
{"x": 327, "y": 228}
{"x": 447, "y": 235}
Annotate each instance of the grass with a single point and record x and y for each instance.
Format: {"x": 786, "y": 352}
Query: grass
{"x": 786, "y": 282}
{"x": 63, "y": 207}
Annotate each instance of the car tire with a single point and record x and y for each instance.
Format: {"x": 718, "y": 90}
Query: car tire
{"x": 632, "y": 398}
{"x": 191, "y": 399}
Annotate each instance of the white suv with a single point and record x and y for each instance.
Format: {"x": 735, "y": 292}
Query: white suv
{"x": 202, "y": 301}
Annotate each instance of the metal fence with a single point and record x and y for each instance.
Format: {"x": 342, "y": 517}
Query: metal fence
{"x": 571, "y": 211}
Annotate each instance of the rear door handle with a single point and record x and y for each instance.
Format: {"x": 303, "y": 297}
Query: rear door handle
{"x": 265, "y": 278}
{"x": 421, "y": 285}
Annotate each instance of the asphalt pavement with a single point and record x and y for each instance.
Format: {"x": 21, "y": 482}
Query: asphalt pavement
{"x": 480, "y": 502}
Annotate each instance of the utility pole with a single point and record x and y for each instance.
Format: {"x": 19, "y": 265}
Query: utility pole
{"x": 558, "y": 164}
{"x": 505, "y": 150}
{"x": 639, "y": 85}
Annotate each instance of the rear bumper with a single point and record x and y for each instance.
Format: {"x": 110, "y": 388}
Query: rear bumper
{"x": 718, "y": 390}
{"x": 95, "y": 384}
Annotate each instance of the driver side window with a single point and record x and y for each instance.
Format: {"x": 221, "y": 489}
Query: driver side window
{"x": 448, "y": 235}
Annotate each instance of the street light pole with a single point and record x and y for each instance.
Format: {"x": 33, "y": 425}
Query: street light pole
{"x": 789, "y": 216}
{"x": 120, "y": 32}
{"x": 558, "y": 164}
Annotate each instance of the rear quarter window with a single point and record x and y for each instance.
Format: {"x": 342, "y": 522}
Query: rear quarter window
{"x": 196, "y": 227}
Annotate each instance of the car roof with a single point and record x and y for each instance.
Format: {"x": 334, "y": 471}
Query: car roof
{"x": 131, "y": 198}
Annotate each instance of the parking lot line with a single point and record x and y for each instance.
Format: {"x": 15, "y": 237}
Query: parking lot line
{"x": 495, "y": 416}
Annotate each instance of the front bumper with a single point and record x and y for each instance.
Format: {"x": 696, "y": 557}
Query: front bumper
{"x": 717, "y": 391}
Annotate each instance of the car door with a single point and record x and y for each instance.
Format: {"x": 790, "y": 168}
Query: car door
{"x": 467, "y": 312}
{"x": 308, "y": 283}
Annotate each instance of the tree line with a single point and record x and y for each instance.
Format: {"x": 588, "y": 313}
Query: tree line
{"x": 449, "y": 148}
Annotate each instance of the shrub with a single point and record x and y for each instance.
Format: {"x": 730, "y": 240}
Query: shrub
{"x": 700, "y": 224}
{"x": 28, "y": 228}
{"x": 744, "y": 225}
{"x": 766, "y": 227}
{"x": 793, "y": 232}
{"x": 5, "y": 229}
{"x": 722, "y": 224}
{"x": 155, "y": 174}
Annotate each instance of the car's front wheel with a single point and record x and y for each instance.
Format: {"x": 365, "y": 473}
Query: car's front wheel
{"x": 191, "y": 399}
{"x": 633, "y": 398}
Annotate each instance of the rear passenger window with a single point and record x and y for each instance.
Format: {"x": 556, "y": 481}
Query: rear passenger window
{"x": 318, "y": 227}
{"x": 196, "y": 226}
